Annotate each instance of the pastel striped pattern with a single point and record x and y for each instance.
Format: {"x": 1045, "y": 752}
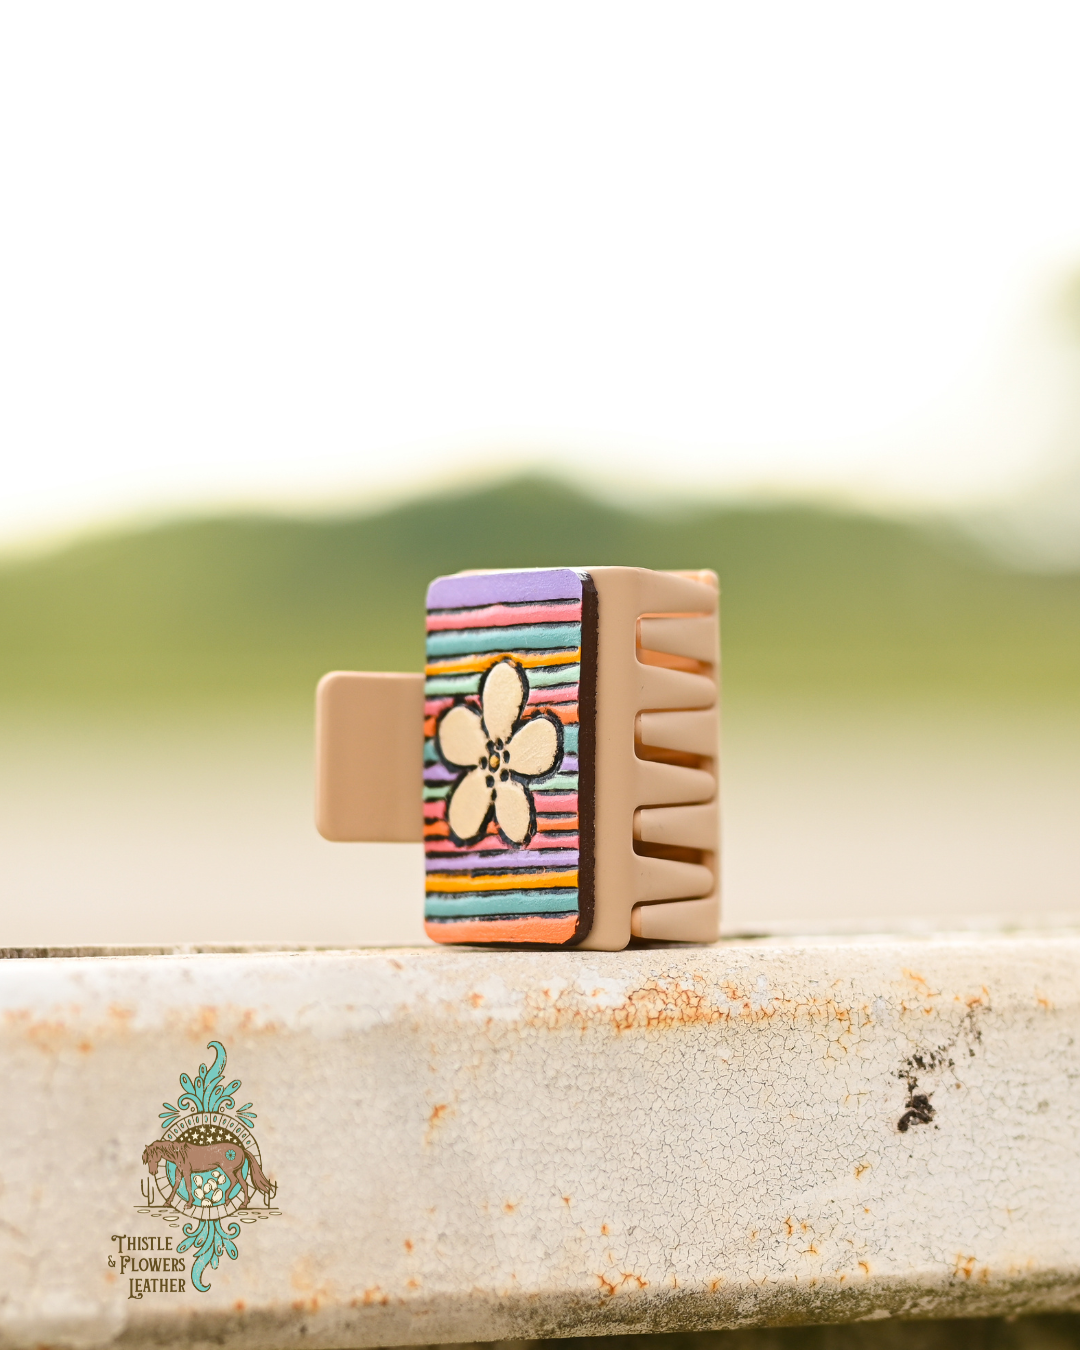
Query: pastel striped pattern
{"x": 492, "y": 891}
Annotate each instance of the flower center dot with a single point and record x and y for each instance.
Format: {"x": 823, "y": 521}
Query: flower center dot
{"x": 493, "y": 763}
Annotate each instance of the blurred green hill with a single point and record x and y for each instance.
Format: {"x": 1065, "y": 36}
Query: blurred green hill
{"x": 256, "y": 608}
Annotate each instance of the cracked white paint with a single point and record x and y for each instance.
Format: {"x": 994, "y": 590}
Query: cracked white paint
{"x": 482, "y": 1145}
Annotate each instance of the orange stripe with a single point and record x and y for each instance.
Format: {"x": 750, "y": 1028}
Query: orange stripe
{"x": 569, "y": 823}
{"x": 567, "y": 713}
{"x": 482, "y": 662}
{"x": 529, "y": 928}
{"x": 454, "y": 881}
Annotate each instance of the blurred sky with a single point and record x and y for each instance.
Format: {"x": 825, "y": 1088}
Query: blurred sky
{"x": 278, "y": 253}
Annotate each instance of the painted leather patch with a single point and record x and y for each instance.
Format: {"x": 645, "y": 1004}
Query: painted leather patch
{"x": 508, "y": 757}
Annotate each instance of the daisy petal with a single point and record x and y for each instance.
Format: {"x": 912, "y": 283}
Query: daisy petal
{"x": 513, "y": 811}
{"x": 503, "y": 699}
{"x": 467, "y": 809}
{"x": 460, "y": 737}
{"x": 534, "y": 747}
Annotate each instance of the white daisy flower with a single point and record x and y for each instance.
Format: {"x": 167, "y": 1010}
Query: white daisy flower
{"x": 501, "y": 752}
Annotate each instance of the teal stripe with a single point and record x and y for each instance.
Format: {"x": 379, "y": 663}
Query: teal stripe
{"x": 469, "y": 682}
{"x": 533, "y": 637}
{"x": 452, "y": 684}
{"x": 460, "y": 906}
{"x": 569, "y": 739}
{"x": 435, "y": 794}
{"x": 561, "y": 782}
{"x": 430, "y": 757}
{"x": 553, "y": 675}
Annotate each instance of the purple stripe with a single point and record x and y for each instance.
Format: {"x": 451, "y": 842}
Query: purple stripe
{"x": 569, "y": 764}
{"x": 489, "y": 588}
{"x": 438, "y": 773}
{"x": 496, "y": 862}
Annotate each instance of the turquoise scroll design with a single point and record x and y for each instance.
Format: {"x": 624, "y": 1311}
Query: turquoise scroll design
{"x": 210, "y": 1238}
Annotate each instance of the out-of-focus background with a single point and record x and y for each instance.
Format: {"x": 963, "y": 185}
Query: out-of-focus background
{"x": 303, "y": 306}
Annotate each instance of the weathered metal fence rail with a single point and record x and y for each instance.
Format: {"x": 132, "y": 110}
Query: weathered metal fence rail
{"x": 472, "y": 1146}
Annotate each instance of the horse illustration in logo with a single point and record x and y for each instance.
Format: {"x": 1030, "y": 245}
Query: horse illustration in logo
{"x": 207, "y": 1166}
{"x": 208, "y": 1159}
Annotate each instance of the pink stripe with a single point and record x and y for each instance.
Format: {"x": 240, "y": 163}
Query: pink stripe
{"x": 561, "y": 803}
{"x": 503, "y": 616}
{"x": 560, "y": 693}
{"x": 434, "y": 706}
{"x": 493, "y": 844}
{"x": 565, "y": 803}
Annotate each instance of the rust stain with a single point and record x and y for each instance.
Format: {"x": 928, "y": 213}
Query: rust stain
{"x": 369, "y": 1297}
{"x": 964, "y": 1266}
{"x": 408, "y": 1244}
{"x": 302, "y": 1278}
{"x": 685, "y": 1001}
{"x": 864, "y": 1267}
{"x": 204, "y": 1021}
{"x": 509, "y": 1208}
{"x": 628, "y": 1279}
{"x": 239, "y": 1305}
{"x": 861, "y": 1168}
{"x": 439, "y": 1112}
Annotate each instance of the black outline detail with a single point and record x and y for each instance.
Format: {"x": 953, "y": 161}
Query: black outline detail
{"x": 526, "y": 781}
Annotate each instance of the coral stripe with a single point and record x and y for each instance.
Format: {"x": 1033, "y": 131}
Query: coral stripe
{"x": 438, "y": 838}
{"x": 529, "y": 928}
{"x": 563, "y": 693}
{"x": 504, "y": 616}
{"x": 443, "y": 881}
{"x": 562, "y": 801}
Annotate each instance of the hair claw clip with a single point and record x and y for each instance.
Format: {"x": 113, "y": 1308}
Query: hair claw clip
{"x": 558, "y": 758}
